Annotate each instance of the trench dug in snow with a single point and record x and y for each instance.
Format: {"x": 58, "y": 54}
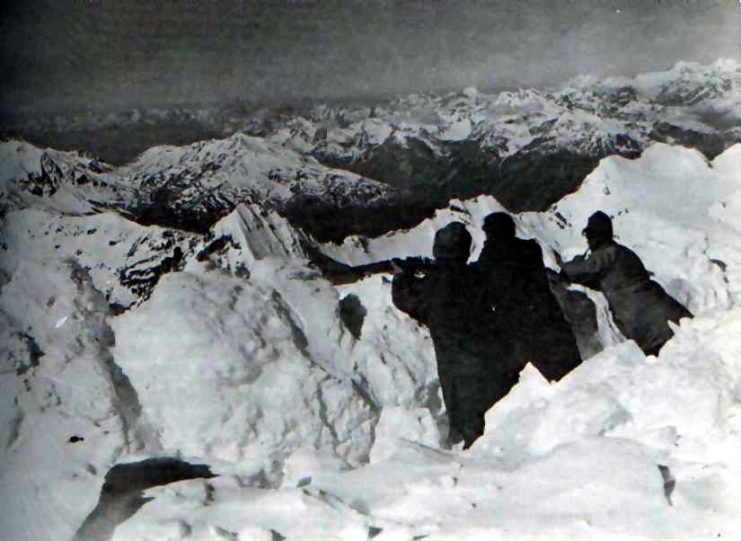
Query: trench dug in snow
{"x": 317, "y": 407}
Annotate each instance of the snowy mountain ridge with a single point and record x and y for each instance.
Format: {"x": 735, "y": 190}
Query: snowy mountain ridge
{"x": 192, "y": 187}
{"x": 467, "y": 143}
{"x": 128, "y": 333}
{"x": 684, "y": 85}
{"x": 526, "y": 147}
{"x": 239, "y": 357}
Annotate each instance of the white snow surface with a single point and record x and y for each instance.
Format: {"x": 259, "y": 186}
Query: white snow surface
{"x": 240, "y": 360}
{"x": 105, "y": 244}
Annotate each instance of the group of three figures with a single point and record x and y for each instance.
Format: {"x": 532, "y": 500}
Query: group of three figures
{"x": 488, "y": 319}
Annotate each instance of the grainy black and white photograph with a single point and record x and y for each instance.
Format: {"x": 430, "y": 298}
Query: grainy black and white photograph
{"x": 354, "y": 270}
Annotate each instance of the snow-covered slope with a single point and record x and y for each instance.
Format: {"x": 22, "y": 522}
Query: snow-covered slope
{"x": 189, "y": 186}
{"x": 238, "y": 356}
{"x": 170, "y": 308}
{"x": 63, "y": 181}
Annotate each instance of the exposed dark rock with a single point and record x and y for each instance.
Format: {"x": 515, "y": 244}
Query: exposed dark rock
{"x": 532, "y": 182}
{"x": 34, "y": 354}
{"x": 143, "y": 277}
{"x": 331, "y": 223}
{"x": 669, "y": 482}
{"x": 472, "y": 169}
{"x": 709, "y": 143}
{"x": 276, "y": 536}
{"x": 122, "y": 494}
{"x": 195, "y": 211}
{"x": 410, "y": 165}
{"x": 215, "y": 246}
{"x": 352, "y": 314}
{"x": 48, "y": 181}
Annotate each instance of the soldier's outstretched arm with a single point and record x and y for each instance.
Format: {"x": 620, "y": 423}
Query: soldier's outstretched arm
{"x": 588, "y": 270}
{"x": 410, "y": 294}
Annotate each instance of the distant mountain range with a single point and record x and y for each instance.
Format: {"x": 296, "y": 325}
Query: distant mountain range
{"x": 340, "y": 170}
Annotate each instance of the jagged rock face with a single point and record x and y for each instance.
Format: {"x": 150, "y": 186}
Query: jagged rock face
{"x": 62, "y": 181}
{"x": 531, "y": 179}
{"x": 709, "y": 143}
{"x": 247, "y": 235}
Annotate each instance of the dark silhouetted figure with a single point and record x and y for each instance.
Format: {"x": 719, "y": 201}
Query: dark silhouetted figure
{"x": 474, "y": 367}
{"x": 528, "y": 315}
{"x": 640, "y": 307}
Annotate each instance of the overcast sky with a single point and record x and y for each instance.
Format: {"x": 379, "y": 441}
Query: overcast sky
{"x": 62, "y": 54}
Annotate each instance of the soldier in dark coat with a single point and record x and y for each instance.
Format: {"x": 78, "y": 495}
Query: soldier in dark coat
{"x": 474, "y": 368}
{"x": 640, "y": 307}
{"x": 528, "y": 314}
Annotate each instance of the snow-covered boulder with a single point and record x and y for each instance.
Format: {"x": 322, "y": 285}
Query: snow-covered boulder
{"x": 223, "y": 372}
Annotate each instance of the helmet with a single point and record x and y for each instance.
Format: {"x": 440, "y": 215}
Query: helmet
{"x": 499, "y": 225}
{"x": 599, "y": 226}
{"x": 452, "y": 242}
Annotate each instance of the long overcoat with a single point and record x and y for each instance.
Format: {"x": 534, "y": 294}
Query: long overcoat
{"x": 528, "y": 314}
{"x": 640, "y": 307}
{"x": 474, "y": 366}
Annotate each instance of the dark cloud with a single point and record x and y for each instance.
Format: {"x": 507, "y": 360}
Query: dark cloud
{"x": 60, "y": 54}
